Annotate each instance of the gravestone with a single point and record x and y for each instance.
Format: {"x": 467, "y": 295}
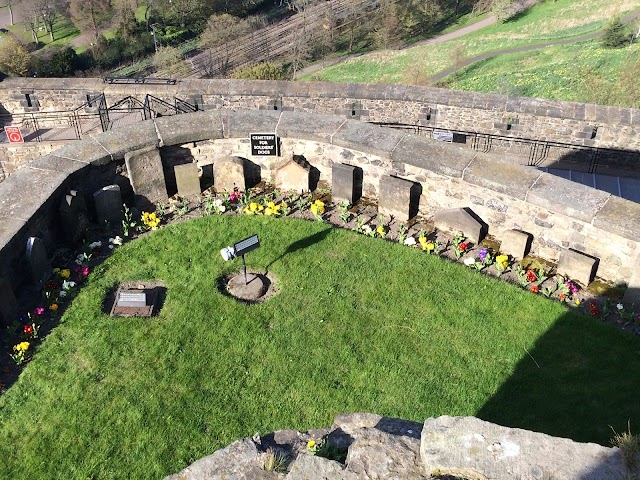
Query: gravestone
{"x": 135, "y": 302}
{"x": 294, "y": 176}
{"x": 456, "y": 220}
{"x": 399, "y": 197}
{"x": 74, "y": 217}
{"x": 108, "y": 203}
{"x": 187, "y": 179}
{"x": 516, "y": 243}
{"x": 228, "y": 174}
{"x": 346, "y": 183}
{"x": 37, "y": 261}
{"x": 8, "y": 303}
{"x": 144, "y": 167}
{"x": 577, "y": 266}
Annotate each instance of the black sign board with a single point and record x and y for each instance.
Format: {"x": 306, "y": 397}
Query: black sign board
{"x": 246, "y": 245}
{"x": 264, "y": 144}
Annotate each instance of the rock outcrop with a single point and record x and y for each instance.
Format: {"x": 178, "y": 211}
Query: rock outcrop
{"x": 363, "y": 446}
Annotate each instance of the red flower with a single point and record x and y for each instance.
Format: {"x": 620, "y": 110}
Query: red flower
{"x": 593, "y": 306}
{"x": 562, "y": 297}
{"x": 531, "y": 276}
{"x": 463, "y": 247}
{"x": 28, "y": 329}
{"x": 534, "y": 289}
{"x": 595, "y": 312}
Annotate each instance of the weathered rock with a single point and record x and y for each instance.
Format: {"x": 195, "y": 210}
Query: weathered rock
{"x": 307, "y": 467}
{"x": 476, "y": 449}
{"x": 516, "y": 243}
{"x": 108, "y": 203}
{"x": 577, "y": 266}
{"x": 8, "y": 303}
{"x": 228, "y": 173}
{"x": 399, "y": 197}
{"x": 236, "y": 462}
{"x": 187, "y": 179}
{"x": 39, "y": 266}
{"x": 144, "y": 167}
{"x": 74, "y": 216}
{"x": 346, "y": 183}
{"x": 456, "y": 220}
{"x": 294, "y": 176}
{"x": 378, "y": 454}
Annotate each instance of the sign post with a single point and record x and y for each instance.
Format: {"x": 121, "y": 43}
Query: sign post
{"x": 245, "y": 246}
{"x": 264, "y": 144}
{"x": 14, "y": 135}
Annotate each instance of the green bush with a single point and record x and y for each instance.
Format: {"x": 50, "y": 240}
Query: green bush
{"x": 615, "y": 34}
{"x": 261, "y": 71}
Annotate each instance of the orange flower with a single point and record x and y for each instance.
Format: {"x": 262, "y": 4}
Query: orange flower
{"x": 53, "y": 307}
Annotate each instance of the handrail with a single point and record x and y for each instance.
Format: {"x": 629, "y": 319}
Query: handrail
{"x": 146, "y": 80}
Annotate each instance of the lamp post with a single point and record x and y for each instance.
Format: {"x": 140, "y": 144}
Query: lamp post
{"x": 153, "y": 32}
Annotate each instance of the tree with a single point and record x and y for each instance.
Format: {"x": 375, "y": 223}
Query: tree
{"x": 14, "y": 58}
{"x": 502, "y": 9}
{"x": 169, "y": 60}
{"x": 90, "y": 15}
{"x": 615, "y": 34}
{"x": 219, "y": 37}
{"x": 183, "y": 12}
{"x": 387, "y": 26}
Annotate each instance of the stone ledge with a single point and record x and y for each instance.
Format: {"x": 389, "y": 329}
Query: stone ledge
{"x": 241, "y": 123}
{"x": 27, "y": 190}
{"x": 184, "y": 128}
{"x": 619, "y": 216}
{"x": 501, "y": 176}
{"x": 439, "y": 157}
{"x": 118, "y": 142}
{"x": 367, "y": 138}
{"x": 88, "y": 151}
{"x": 302, "y": 126}
{"x": 566, "y": 197}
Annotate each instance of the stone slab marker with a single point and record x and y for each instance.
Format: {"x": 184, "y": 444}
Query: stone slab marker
{"x": 457, "y": 220}
{"x": 294, "y": 176}
{"x": 187, "y": 179}
{"x": 37, "y": 260}
{"x": 398, "y": 197}
{"x": 144, "y": 167}
{"x": 346, "y": 183}
{"x": 228, "y": 173}
{"x": 74, "y": 217}
{"x": 577, "y": 266}
{"x": 516, "y": 243}
{"x": 8, "y": 303}
{"x": 108, "y": 203}
{"x": 473, "y": 448}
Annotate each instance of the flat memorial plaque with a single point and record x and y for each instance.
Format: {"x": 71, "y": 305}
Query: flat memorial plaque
{"x": 135, "y": 302}
{"x": 132, "y": 299}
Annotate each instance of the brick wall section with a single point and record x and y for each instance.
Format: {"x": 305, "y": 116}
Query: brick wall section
{"x": 560, "y": 214}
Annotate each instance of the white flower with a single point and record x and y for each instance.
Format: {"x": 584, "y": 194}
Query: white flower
{"x": 469, "y": 261}
{"x": 111, "y": 247}
{"x": 116, "y": 241}
{"x": 93, "y": 245}
{"x": 63, "y": 293}
{"x": 222, "y": 208}
{"x": 80, "y": 259}
{"x": 366, "y": 229}
{"x": 410, "y": 241}
{"x": 67, "y": 284}
{"x": 620, "y": 306}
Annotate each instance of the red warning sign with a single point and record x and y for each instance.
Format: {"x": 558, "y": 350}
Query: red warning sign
{"x": 14, "y": 134}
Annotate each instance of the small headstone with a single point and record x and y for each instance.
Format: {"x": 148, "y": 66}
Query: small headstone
{"x": 294, "y": 176}
{"x": 74, "y": 217}
{"x": 8, "y": 303}
{"x": 346, "y": 183}
{"x": 228, "y": 174}
{"x": 37, "y": 260}
{"x": 187, "y": 179}
{"x": 135, "y": 302}
{"x": 399, "y": 197}
{"x": 577, "y": 266}
{"x": 457, "y": 220}
{"x": 516, "y": 243}
{"x": 144, "y": 167}
{"x": 108, "y": 203}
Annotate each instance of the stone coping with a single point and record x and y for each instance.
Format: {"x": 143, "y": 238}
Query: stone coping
{"x": 349, "y": 91}
{"x": 29, "y": 197}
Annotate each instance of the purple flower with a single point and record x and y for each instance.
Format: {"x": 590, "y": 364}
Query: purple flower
{"x": 573, "y": 288}
{"x": 482, "y": 254}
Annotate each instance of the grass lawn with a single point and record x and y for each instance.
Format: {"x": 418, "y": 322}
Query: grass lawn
{"x": 546, "y": 21}
{"x": 63, "y": 32}
{"x": 359, "y": 324}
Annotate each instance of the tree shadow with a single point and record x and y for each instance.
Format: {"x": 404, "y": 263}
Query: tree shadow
{"x": 301, "y": 244}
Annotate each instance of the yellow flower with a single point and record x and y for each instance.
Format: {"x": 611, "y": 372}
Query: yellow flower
{"x": 311, "y": 443}
{"x": 53, "y": 307}
{"x": 381, "y": 231}
{"x": 503, "y": 260}
{"x": 429, "y": 247}
{"x": 317, "y": 207}
{"x": 150, "y": 220}
{"x": 65, "y": 273}
{"x": 21, "y": 347}
{"x": 272, "y": 209}
{"x": 56, "y": 270}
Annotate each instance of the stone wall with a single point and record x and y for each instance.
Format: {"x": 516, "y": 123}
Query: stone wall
{"x": 560, "y": 214}
{"x": 516, "y": 125}
{"x": 365, "y": 446}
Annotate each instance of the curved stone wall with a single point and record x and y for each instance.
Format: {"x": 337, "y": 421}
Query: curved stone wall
{"x": 558, "y": 213}
{"x": 487, "y": 122}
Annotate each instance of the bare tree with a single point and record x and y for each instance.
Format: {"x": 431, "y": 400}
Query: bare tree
{"x": 90, "y": 14}
{"x": 219, "y": 36}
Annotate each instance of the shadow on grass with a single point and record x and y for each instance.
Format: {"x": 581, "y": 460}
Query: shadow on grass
{"x": 300, "y": 244}
{"x": 579, "y": 380}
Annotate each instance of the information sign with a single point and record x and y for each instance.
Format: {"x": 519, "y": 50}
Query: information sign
{"x": 442, "y": 136}
{"x": 264, "y": 144}
{"x": 14, "y": 135}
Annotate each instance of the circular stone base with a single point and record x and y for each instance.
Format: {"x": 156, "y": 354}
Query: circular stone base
{"x": 256, "y": 289}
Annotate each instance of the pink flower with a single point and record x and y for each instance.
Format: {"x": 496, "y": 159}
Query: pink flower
{"x": 85, "y": 271}
{"x": 38, "y": 311}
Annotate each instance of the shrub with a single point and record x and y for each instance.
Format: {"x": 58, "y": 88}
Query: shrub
{"x": 261, "y": 71}
{"x": 615, "y": 34}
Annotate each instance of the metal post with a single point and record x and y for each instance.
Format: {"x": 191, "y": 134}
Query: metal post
{"x": 153, "y": 32}
{"x": 244, "y": 266}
